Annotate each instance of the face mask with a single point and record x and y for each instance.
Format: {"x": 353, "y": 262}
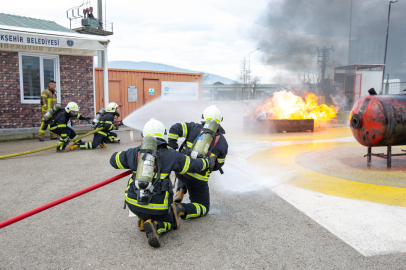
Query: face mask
{"x": 73, "y": 113}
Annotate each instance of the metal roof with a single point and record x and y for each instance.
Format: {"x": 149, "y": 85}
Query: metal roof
{"x": 26, "y": 22}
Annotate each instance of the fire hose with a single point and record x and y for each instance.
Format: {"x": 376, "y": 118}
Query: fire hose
{"x": 63, "y": 199}
{"x": 49, "y": 147}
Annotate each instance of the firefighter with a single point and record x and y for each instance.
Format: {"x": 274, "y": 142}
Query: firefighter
{"x": 149, "y": 193}
{"x": 58, "y": 124}
{"x": 197, "y": 183}
{"x": 48, "y": 100}
{"x": 105, "y": 135}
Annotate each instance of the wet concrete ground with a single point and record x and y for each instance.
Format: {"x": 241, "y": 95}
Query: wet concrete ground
{"x": 285, "y": 218}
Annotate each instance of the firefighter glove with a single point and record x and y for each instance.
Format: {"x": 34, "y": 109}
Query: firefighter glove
{"x": 210, "y": 162}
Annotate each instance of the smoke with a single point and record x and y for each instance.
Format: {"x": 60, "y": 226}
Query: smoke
{"x": 295, "y": 28}
{"x": 340, "y": 101}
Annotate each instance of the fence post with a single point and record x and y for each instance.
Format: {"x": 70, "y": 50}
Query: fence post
{"x": 387, "y": 84}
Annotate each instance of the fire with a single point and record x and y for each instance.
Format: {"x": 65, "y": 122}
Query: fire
{"x": 286, "y": 105}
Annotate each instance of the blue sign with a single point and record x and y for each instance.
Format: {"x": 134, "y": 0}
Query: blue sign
{"x": 151, "y": 91}
{"x": 167, "y": 89}
{"x": 200, "y": 138}
{"x": 70, "y": 43}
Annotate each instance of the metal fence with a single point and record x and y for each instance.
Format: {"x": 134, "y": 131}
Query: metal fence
{"x": 394, "y": 87}
{"x": 236, "y": 92}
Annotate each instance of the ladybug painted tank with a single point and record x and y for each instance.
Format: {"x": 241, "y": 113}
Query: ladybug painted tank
{"x": 379, "y": 120}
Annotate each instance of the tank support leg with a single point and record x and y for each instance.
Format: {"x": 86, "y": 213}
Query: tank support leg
{"x": 369, "y": 154}
{"x": 389, "y": 156}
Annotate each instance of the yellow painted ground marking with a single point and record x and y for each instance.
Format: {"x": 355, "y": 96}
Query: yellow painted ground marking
{"x": 283, "y": 158}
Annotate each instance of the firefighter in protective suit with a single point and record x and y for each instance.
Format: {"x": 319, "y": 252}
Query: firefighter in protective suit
{"x": 154, "y": 207}
{"x": 105, "y": 135}
{"x": 48, "y": 100}
{"x": 197, "y": 183}
{"x": 58, "y": 124}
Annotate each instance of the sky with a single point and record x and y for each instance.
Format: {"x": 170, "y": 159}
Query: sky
{"x": 209, "y": 36}
{"x": 214, "y": 36}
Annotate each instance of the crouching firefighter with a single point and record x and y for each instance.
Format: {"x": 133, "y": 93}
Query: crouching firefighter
{"x": 58, "y": 124}
{"x": 149, "y": 193}
{"x": 104, "y": 119}
{"x": 201, "y": 139}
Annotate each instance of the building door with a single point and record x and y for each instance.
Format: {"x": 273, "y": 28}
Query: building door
{"x": 152, "y": 90}
{"x": 115, "y": 95}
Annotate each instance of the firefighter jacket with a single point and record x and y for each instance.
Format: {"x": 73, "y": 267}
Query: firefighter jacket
{"x": 107, "y": 123}
{"x": 48, "y": 99}
{"x": 190, "y": 132}
{"x": 60, "y": 120}
{"x": 170, "y": 160}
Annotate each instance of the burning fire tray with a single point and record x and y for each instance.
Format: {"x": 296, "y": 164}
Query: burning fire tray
{"x": 273, "y": 126}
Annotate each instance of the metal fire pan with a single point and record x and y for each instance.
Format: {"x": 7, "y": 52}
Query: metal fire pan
{"x": 274, "y": 126}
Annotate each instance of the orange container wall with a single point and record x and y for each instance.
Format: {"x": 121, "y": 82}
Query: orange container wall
{"x": 120, "y": 79}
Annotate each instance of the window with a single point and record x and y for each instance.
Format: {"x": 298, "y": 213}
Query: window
{"x": 36, "y": 70}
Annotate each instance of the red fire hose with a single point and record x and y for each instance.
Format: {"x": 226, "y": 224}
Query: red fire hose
{"x": 63, "y": 199}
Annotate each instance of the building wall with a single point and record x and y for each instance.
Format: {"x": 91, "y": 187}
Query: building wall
{"x": 76, "y": 75}
{"x": 77, "y": 82}
{"x": 126, "y": 77}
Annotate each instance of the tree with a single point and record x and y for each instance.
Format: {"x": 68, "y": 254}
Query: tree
{"x": 245, "y": 79}
{"x": 218, "y": 83}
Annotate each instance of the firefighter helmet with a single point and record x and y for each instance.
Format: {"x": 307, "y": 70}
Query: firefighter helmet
{"x": 112, "y": 107}
{"x": 154, "y": 128}
{"x": 212, "y": 112}
{"x": 72, "y": 108}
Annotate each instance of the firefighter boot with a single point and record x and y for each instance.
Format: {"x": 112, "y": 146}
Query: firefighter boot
{"x": 178, "y": 211}
{"x": 116, "y": 140}
{"x": 103, "y": 145}
{"x": 140, "y": 224}
{"x": 151, "y": 229}
{"x": 74, "y": 146}
{"x": 179, "y": 195}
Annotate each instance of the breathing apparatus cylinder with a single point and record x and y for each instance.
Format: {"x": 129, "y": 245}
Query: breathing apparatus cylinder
{"x": 51, "y": 112}
{"x": 203, "y": 142}
{"x": 98, "y": 117}
{"x": 145, "y": 169}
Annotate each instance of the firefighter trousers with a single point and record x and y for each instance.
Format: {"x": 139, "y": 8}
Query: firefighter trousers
{"x": 165, "y": 218}
{"x": 99, "y": 138}
{"x": 64, "y": 133}
{"x": 199, "y": 196}
{"x": 43, "y": 128}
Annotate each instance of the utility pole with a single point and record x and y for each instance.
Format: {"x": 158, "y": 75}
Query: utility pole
{"x": 349, "y": 38}
{"x": 323, "y": 57}
{"x": 386, "y": 47}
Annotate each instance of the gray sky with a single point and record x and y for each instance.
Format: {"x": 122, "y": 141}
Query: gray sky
{"x": 211, "y": 36}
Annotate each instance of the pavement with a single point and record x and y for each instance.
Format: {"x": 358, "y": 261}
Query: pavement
{"x": 270, "y": 210}
{"x": 15, "y": 134}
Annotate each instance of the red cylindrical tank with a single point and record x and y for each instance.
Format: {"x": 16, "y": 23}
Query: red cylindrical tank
{"x": 379, "y": 120}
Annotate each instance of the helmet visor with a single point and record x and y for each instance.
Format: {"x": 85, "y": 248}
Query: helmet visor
{"x": 73, "y": 113}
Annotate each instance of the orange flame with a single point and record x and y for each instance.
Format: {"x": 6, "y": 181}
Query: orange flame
{"x": 286, "y": 105}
